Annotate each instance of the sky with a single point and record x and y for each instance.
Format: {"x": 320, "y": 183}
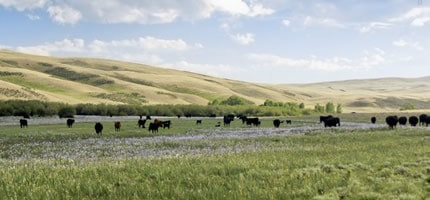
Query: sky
{"x": 261, "y": 41}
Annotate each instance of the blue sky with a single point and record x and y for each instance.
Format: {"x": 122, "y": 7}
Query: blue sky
{"x": 264, "y": 41}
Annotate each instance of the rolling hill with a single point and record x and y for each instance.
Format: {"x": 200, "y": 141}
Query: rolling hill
{"x": 88, "y": 80}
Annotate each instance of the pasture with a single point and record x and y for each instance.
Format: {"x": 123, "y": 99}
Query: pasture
{"x": 303, "y": 160}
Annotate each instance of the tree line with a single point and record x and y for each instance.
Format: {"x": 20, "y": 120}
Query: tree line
{"x": 35, "y": 108}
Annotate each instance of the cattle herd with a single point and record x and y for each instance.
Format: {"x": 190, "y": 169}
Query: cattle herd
{"x": 329, "y": 121}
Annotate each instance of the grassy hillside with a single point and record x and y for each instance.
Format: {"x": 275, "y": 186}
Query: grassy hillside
{"x": 85, "y": 80}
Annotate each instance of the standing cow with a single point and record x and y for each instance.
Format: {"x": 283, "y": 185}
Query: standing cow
{"x": 70, "y": 122}
{"x": 23, "y": 123}
{"x": 373, "y": 120}
{"x": 117, "y": 126}
{"x": 392, "y": 121}
{"x": 277, "y": 123}
{"x": 413, "y": 120}
{"x": 98, "y": 127}
{"x": 403, "y": 120}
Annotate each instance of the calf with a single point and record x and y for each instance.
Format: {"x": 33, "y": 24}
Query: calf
{"x": 373, "y": 120}
{"x": 198, "y": 122}
{"x": 117, "y": 126}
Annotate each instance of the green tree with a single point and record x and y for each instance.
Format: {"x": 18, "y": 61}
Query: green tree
{"x": 339, "y": 108}
{"x": 329, "y": 107}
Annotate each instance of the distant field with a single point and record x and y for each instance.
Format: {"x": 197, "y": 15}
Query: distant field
{"x": 86, "y": 80}
{"x": 303, "y": 160}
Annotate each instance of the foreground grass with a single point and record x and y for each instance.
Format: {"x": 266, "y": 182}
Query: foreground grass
{"x": 319, "y": 164}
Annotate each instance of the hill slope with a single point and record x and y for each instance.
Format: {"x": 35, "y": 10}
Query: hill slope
{"x": 85, "y": 80}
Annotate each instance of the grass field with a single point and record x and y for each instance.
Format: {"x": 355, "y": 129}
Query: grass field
{"x": 298, "y": 161}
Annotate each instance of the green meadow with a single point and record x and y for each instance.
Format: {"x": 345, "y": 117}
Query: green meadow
{"x": 298, "y": 161}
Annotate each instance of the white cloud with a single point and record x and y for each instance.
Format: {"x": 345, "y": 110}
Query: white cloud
{"x": 375, "y": 26}
{"x": 286, "y": 22}
{"x": 66, "y": 45}
{"x": 418, "y": 16}
{"x": 369, "y": 60}
{"x": 64, "y": 14}
{"x": 243, "y": 39}
{"x": 147, "y": 50}
{"x": 324, "y": 22}
{"x": 22, "y": 5}
{"x": 403, "y": 43}
{"x": 33, "y": 17}
{"x": 140, "y": 12}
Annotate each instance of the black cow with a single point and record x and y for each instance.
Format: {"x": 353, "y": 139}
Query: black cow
{"x": 98, "y": 127}
{"x": 141, "y": 123}
{"x": 423, "y": 120}
{"x": 277, "y": 122}
{"x": 288, "y": 121}
{"x": 373, "y": 120}
{"x": 403, "y": 120}
{"x": 153, "y": 127}
{"x": 166, "y": 124}
{"x": 253, "y": 121}
{"x": 70, "y": 122}
{"x": 392, "y": 121}
{"x": 330, "y": 121}
{"x": 212, "y": 115}
{"x": 23, "y": 123}
{"x": 117, "y": 126}
{"x": 227, "y": 120}
{"x": 323, "y": 118}
{"x": 198, "y": 122}
{"x": 243, "y": 118}
{"x": 413, "y": 120}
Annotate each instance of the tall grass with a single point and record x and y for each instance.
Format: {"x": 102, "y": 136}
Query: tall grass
{"x": 312, "y": 164}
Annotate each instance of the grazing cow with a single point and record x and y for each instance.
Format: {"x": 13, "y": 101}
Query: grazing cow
{"x": 70, "y": 122}
{"x": 227, "y": 120}
{"x": 23, "y": 123}
{"x": 98, "y": 127}
{"x": 373, "y": 120}
{"x": 243, "y": 118}
{"x": 413, "y": 120}
{"x": 164, "y": 124}
{"x": 392, "y": 121}
{"x": 403, "y": 120}
{"x": 288, "y": 121}
{"x": 153, "y": 127}
{"x": 277, "y": 122}
{"x": 323, "y": 118}
{"x": 117, "y": 126}
{"x": 423, "y": 120}
{"x": 198, "y": 122}
{"x": 253, "y": 121}
{"x": 141, "y": 123}
{"x": 330, "y": 121}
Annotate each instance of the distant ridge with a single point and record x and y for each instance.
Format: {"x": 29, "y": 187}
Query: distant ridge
{"x": 90, "y": 80}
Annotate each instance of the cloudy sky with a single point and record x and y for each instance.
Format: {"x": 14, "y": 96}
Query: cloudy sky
{"x": 264, "y": 41}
